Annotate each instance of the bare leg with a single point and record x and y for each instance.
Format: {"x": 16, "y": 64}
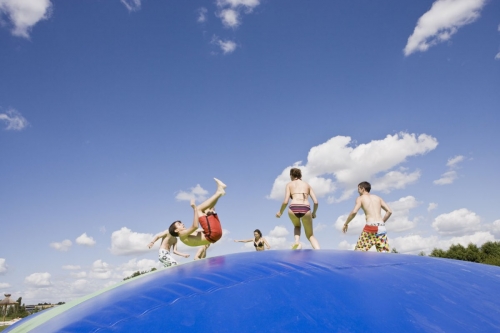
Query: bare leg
{"x": 202, "y": 252}
{"x": 199, "y": 253}
{"x": 212, "y": 201}
{"x": 308, "y": 229}
{"x": 296, "y": 230}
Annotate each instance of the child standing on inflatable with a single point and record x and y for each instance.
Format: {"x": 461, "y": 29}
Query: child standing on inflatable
{"x": 299, "y": 191}
{"x": 205, "y": 215}
{"x": 374, "y": 232}
{"x": 167, "y": 242}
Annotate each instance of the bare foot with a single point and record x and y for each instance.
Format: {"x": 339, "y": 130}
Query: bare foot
{"x": 297, "y": 246}
{"x": 220, "y": 186}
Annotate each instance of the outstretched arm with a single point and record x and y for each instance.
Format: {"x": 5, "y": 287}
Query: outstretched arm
{"x": 179, "y": 253}
{"x": 357, "y": 206}
{"x": 285, "y": 202}
{"x": 243, "y": 240}
{"x": 266, "y": 243}
{"x": 388, "y": 211}
{"x": 158, "y": 236}
{"x": 315, "y": 201}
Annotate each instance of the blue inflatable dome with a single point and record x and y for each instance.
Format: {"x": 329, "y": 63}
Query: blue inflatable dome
{"x": 291, "y": 291}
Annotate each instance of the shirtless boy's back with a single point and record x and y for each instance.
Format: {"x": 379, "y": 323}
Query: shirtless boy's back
{"x": 374, "y": 232}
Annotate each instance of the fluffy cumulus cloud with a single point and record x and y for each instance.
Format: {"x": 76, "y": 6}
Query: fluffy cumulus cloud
{"x": 449, "y": 176}
{"x": 131, "y": 5}
{"x": 126, "y": 242}
{"x": 458, "y": 222}
{"x": 4, "y": 285}
{"x": 229, "y": 11}
{"x": 85, "y": 240}
{"x": 441, "y": 22}
{"x": 416, "y": 243}
{"x": 135, "y": 265}
{"x": 495, "y": 228}
{"x": 38, "y": 280}
{"x": 63, "y": 246}
{"x": 277, "y": 238}
{"x": 13, "y": 120}
{"x": 101, "y": 270}
{"x": 80, "y": 285}
{"x": 24, "y": 14}
{"x": 197, "y": 193}
{"x": 3, "y": 266}
{"x": 337, "y": 164}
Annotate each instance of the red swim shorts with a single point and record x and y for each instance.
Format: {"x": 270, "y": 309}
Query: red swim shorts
{"x": 211, "y": 227}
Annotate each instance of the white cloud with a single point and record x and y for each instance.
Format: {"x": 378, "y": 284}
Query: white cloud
{"x": 344, "y": 245}
{"x": 395, "y": 180}
{"x": 126, "y": 242}
{"x": 3, "y": 266}
{"x": 14, "y": 120}
{"x": 355, "y": 226}
{"x": 62, "y": 246}
{"x": 458, "y": 222}
{"x": 442, "y": 21}
{"x": 495, "y": 228}
{"x": 449, "y": 176}
{"x": 24, "y": 14}
{"x": 132, "y": 5}
{"x": 229, "y": 17}
{"x": 446, "y": 178}
{"x": 4, "y": 285}
{"x": 478, "y": 238}
{"x": 79, "y": 275}
{"x": 197, "y": 193}
{"x": 229, "y": 11}
{"x": 227, "y": 46}
{"x": 497, "y": 57}
{"x": 135, "y": 265}
{"x": 416, "y": 243}
{"x": 38, "y": 280}
{"x": 452, "y": 162}
{"x": 80, "y": 284}
{"x": 71, "y": 267}
{"x": 399, "y": 221}
{"x": 100, "y": 270}
{"x": 202, "y": 15}
{"x": 83, "y": 239}
{"x": 276, "y": 238}
{"x": 432, "y": 206}
{"x": 347, "y": 166}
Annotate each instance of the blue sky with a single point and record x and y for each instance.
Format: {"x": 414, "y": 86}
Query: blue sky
{"x": 114, "y": 113}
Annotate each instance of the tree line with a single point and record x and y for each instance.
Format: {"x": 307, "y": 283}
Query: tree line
{"x": 488, "y": 253}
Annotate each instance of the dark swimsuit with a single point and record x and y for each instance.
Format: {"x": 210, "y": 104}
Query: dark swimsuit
{"x": 259, "y": 244}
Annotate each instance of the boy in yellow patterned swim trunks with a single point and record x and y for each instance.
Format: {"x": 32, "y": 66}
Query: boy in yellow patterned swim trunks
{"x": 374, "y": 232}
